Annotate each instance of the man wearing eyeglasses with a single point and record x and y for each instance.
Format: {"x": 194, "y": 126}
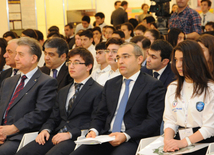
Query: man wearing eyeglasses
{"x": 75, "y": 107}
{"x": 131, "y": 107}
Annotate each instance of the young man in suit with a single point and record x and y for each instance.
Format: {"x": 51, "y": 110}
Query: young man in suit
{"x": 69, "y": 33}
{"x": 56, "y": 50}
{"x": 73, "y": 111}
{"x": 10, "y": 60}
{"x": 131, "y": 107}
{"x": 26, "y": 101}
{"x": 158, "y": 62}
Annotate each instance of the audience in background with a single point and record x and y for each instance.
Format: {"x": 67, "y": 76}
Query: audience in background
{"x": 174, "y": 8}
{"x": 206, "y": 16}
{"x": 109, "y": 31}
{"x": 29, "y": 33}
{"x": 127, "y": 28}
{"x": 117, "y": 4}
{"x": 9, "y": 35}
{"x": 147, "y": 22}
{"x": 99, "y": 20}
{"x": 84, "y": 25}
{"x": 97, "y": 35}
{"x": 145, "y": 8}
{"x": 175, "y": 36}
{"x": 119, "y": 34}
{"x": 140, "y": 30}
{"x": 134, "y": 22}
{"x": 53, "y": 29}
{"x": 209, "y": 26}
{"x": 152, "y": 35}
{"x": 69, "y": 35}
{"x": 3, "y": 45}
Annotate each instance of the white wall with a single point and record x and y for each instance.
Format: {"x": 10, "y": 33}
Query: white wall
{"x": 3, "y": 18}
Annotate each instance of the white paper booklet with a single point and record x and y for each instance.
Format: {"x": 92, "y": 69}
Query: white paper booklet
{"x": 97, "y": 140}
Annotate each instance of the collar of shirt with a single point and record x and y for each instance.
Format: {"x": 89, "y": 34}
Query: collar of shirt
{"x": 128, "y": 40}
{"x": 116, "y": 71}
{"x": 28, "y": 75}
{"x": 18, "y": 72}
{"x": 133, "y": 77}
{"x": 84, "y": 81}
{"x": 159, "y": 72}
{"x": 71, "y": 36}
{"x": 91, "y": 47}
{"x": 144, "y": 63}
{"x": 58, "y": 69}
{"x": 185, "y": 11}
{"x": 107, "y": 68}
{"x": 121, "y": 7}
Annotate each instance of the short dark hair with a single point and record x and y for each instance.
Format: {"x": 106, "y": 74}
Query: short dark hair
{"x": 84, "y": 54}
{"x": 141, "y": 28}
{"x": 101, "y": 46}
{"x": 146, "y": 43}
{"x": 87, "y": 33}
{"x": 40, "y": 35}
{"x": 120, "y": 33}
{"x": 10, "y": 33}
{"x": 173, "y": 36}
{"x": 133, "y": 21}
{"x": 124, "y": 3}
{"x": 70, "y": 25}
{"x": 55, "y": 34}
{"x": 115, "y": 3}
{"x": 142, "y": 6}
{"x": 58, "y": 43}
{"x": 100, "y": 14}
{"x": 54, "y": 29}
{"x": 111, "y": 27}
{"x": 210, "y": 23}
{"x": 208, "y": 1}
{"x": 164, "y": 47}
{"x": 30, "y": 33}
{"x": 33, "y": 44}
{"x": 149, "y": 19}
{"x": 96, "y": 29}
{"x": 114, "y": 40}
{"x": 130, "y": 27}
{"x": 155, "y": 33}
{"x": 86, "y": 18}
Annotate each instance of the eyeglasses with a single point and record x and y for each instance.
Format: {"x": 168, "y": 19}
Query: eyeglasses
{"x": 112, "y": 51}
{"x": 74, "y": 63}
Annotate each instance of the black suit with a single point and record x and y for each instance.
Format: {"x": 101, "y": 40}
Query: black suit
{"x": 119, "y": 16}
{"x": 5, "y": 74}
{"x": 166, "y": 77}
{"x": 82, "y": 112}
{"x": 31, "y": 108}
{"x": 142, "y": 118}
{"x": 63, "y": 77}
{"x": 71, "y": 42}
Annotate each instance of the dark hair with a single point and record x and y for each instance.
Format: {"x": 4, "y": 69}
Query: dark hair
{"x": 3, "y": 45}
{"x": 114, "y": 40}
{"x": 164, "y": 47}
{"x": 40, "y": 35}
{"x": 87, "y": 33}
{"x": 208, "y": 41}
{"x": 173, "y": 36}
{"x": 146, "y": 43}
{"x": 141, "y": 28}
{"x": 149, "y": 19}
{"x": 133, "y": 21}
{"x": 144, "y": 4}
{"x": 10, "y": 33}
{"x": 155, "y": 33}
{"x": 120, "y": 33}
{"x": 33, "y": 44}
{"x": 115, "y": 3}
{"x": 70, "y": 25}
{"x": 54, "y": 29}
{"x": 111, "y": 27}
{"x": 55, "y": 34}
{"x": 210, "y": 23}
{"x": 129, "y": 27}
{"x": 194, "y": 67}
{"x": 117, "y": 27}
{"x": 86, "y": 18}
{"x": 208, "y": 1}
{"x": 30, "y": 33}
{"x": 124, "y": 3}
{"x": 96, "y": 29}
{"x": 58, "y": 43}
{"x": 101, "y": 46}
{"x": 100, "y": 14}
{"x": 84, "y": 54}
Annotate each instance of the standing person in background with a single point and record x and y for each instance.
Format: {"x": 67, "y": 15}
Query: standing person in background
{"x": 84, "y": 25}
{"x": 189, "y": 100}
{"x": 117, "y": 4}
{"x": 174, "y": 8}
{"x": 145, "y": 8}
{"x": 3, "y": 45}
{"x": 186, "y": 19}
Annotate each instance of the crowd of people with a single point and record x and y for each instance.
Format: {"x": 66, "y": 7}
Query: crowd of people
{"x": 125, "y": 80}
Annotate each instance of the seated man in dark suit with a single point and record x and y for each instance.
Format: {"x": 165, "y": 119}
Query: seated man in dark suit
{"x": 26, "y": 101}
{"x": 72, "y": 112}
{"x": 69, "y": 34}
{"x": 158, "y": 62}
{"x": 56, "y": 50}
{"x": 131, "y": 107}
{"x": 10, "y": 60}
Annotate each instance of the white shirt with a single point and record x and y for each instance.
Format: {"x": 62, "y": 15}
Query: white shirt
{"x": 41, "y": 60}
{"x": 80, "y": 27}
{"x": 174, "y": 113}
{"x": 102, "y": 25}
{"x": 91, "y": 48}
{"x": 18, "y": 72}
{"x": 58, "y": 70}
{"x": 99, "y": 76}
{"x": 111, "y": 74}
{"x": 128, "y": 40}
{"x": 209, "y": 17}
{"x": 159, "y": 72}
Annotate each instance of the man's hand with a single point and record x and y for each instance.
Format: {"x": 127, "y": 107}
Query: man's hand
{"x": 173, "y": 145}
{"x": 91, "y": 134}
{"x": 8, "y": 130}
{"x": 60, "y": 137}
{"x": 41, "y": 137}
{"x": 119, "y": 138}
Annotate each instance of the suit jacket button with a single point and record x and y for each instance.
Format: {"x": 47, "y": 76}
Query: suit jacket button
{"x": 67, "y": 121}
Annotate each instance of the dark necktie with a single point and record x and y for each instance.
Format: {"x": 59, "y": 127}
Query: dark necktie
{"x": 121, "y": 110}
{"x": 204, "y": 20}
{"x": 15, "y": 95}
{"x": 155, "y": 74}
{"x": 15, "y": 71}
{"x": 54, "y": 73}
{"x": 71, "y": 101}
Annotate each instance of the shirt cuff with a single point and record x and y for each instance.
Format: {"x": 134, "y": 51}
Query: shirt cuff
{"x": 127, "y": 136}
{"x": 93, "y": 129}
{"x": 47, "y": 130}
{"x": 70, "y": 135}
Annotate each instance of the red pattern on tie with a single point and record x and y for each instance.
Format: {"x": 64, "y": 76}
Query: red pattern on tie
{"x": 15, "y": 95}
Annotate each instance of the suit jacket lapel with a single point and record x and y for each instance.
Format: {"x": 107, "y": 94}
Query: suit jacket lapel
{"x": 61, "y": 73}
{"x": 164, "y": 75}
{"x": 29, "y": 85}
{"x": 136, "y": 90}
{"x": 64, "y": 99}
